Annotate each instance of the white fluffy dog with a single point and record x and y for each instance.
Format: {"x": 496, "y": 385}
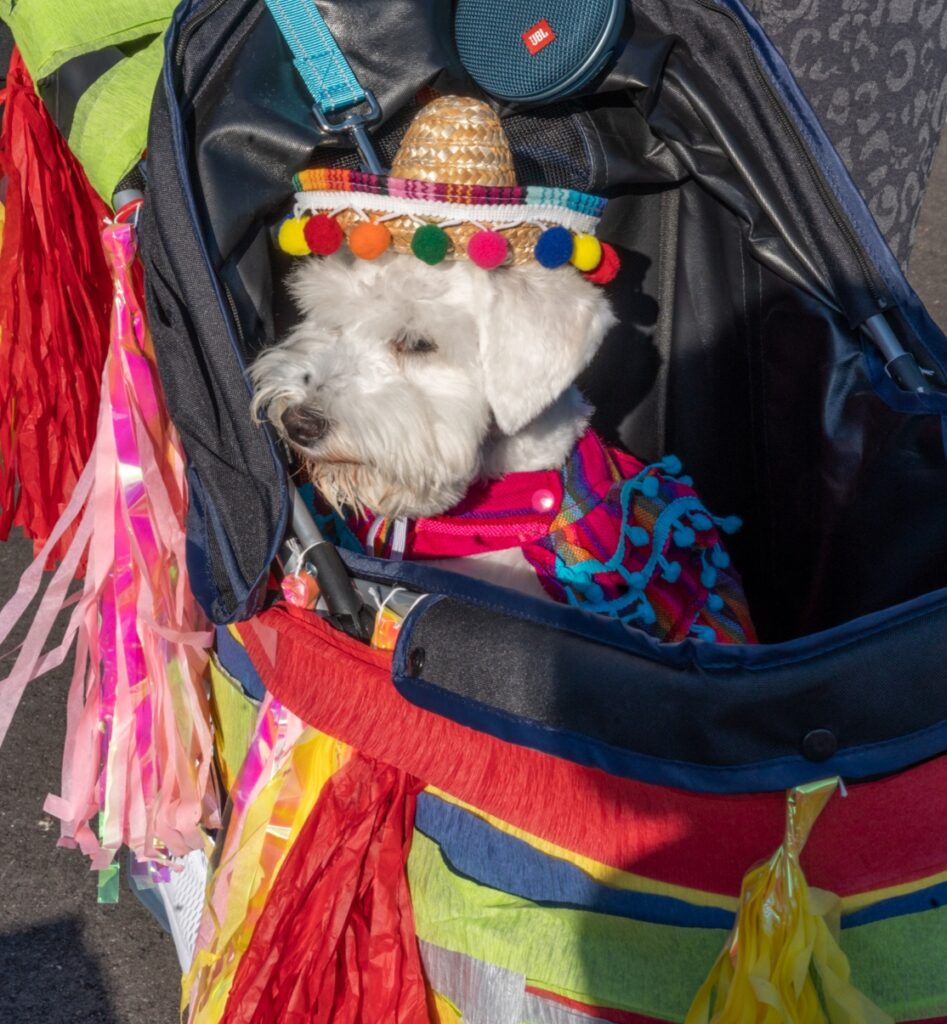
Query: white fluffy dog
{"x": 403, "y": 383}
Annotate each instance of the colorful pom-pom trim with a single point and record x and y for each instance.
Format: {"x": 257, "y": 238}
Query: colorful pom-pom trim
{"x": 430, "y": 244}
{"x": 554, "y": 247}
{"x": 608, "y": 267}
{"x": 369, "y": 240}
{"x": 291, "y": 238}
{"x": 488, "y": 249}
{"x": 323, "y": 234}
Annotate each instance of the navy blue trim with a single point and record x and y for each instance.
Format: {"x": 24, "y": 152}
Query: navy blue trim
{"x": 234, "y": 659}
{"x": 898, "y": 906}
{"x": 756, "y": 658}
{"x": 837, "y": 177}
{"x": 475, "y": 849}
{"x": 759, "y": 777}
{"x": 859, "y": 762}
{"x": 248, "y": 593}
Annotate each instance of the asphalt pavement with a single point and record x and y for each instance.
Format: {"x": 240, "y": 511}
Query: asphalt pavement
{"x": 64, "y": 959}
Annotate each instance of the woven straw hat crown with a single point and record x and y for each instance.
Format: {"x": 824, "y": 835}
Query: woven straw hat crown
{"x": 458, "y": 141}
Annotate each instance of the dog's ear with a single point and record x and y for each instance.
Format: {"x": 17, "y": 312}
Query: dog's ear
{"x": 539, "y": 328}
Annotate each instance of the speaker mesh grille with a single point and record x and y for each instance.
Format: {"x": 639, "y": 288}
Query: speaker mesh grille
{"x": 490, "y": 42}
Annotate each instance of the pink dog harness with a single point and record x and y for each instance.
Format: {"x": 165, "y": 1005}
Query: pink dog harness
{"x": 605, "y": 533}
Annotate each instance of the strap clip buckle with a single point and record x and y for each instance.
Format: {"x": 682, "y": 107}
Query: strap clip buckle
{"x": 356, "y": 125}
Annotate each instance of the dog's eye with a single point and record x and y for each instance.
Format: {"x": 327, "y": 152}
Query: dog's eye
{"x": 408, "y": 344}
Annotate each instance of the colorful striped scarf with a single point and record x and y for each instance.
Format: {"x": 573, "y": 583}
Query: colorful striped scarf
{"x": 605, "y": 533}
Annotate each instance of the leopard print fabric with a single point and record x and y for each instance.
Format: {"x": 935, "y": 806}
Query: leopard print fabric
{"x": 876, "y": 73}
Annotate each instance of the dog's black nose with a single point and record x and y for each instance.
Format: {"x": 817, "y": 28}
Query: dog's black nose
{"x": 304, "y": 426}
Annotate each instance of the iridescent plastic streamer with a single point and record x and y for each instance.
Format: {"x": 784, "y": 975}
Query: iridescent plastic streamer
{"x": 282, "y": 776}
{"x": 138, "y": 743}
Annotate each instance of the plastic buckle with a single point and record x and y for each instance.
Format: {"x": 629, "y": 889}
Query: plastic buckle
{"x": 356, "y": 125}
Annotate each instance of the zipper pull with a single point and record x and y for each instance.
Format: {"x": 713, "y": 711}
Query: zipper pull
{"x": 900, "y": 365}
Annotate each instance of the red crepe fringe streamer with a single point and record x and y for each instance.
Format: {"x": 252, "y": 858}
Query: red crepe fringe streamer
{"x": 335, "y": 943}
{"x": 55, "y": 299}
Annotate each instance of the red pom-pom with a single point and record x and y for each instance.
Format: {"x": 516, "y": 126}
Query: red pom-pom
{"x": 608, "y": 267}
{"x": 323, "y": 235}
{"x": 488, "y": 249}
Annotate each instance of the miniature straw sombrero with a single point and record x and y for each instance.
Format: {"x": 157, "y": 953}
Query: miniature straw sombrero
{"x": 451, "y": 195}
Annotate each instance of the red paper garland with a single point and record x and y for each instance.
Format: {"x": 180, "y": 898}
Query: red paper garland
{"x": 54, "y": 315}
{"x": 336, "y": 943}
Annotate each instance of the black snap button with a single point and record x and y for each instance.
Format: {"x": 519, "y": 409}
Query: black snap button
{"x": 819, "y": 745}
{"x": 416, "y": 662}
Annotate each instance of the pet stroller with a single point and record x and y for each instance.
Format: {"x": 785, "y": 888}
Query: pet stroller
{"x": 587, "y": 801}
{"x": 590, "y": 800}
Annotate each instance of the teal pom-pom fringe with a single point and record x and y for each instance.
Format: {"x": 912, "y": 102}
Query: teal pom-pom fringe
{"x": 430, "y": 244}
{"x": 684, "y": 537}
{"x": 649, "y": 487}
{"x": 553, "y": 247}
{"x": 720, "y": 558}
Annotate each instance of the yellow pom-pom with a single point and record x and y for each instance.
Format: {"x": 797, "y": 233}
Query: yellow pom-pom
{"x": 586, "y": 252}
{"x": 291, "y": 238}
{"x": 369, "y": 240}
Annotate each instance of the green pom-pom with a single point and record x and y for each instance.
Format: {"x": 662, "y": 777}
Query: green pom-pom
{"x": 430, "y": 244}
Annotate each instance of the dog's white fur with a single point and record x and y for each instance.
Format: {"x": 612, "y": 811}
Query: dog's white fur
{"x": 409, "y": 431}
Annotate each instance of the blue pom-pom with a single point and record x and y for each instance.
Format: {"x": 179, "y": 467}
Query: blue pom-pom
{"x": 594, "y": 593}
{"x": 684, "y": 537}
{"x": 730, "y": 524}
{"x": 687, "y": 481}
{"x": 701, "y": 522}
{"x": 672, "y": 572}
{"x": 646, "y": 614}
{"x": 672, "y": 464}
{"x": 703, "y": 633}
{"x": 636, "y": 580}
{"x": 714, "y": 602}
{"x": 649, "y": 487}
{"x": 554, "y": 247}
{"x": 720, "y": 558}
{"x": 639, "y": 536}
{"x": 708, "y": 576}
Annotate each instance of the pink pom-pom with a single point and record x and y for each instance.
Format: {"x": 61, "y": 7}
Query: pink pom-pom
{"x": 488, "y": 249}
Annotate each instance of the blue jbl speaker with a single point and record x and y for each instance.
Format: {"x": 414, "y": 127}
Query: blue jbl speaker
{"x": 531, "y": 51}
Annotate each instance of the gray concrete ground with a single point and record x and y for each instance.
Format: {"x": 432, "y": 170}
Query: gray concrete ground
{"x": 63, "y": 958}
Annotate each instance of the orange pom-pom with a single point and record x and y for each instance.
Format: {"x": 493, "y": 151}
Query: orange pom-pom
{"x": 369, "y": 240}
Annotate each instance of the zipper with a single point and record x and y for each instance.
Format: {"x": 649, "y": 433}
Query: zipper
{"x": 877, "y": 290}
{"x": 231, "y": 302}
{"x": 186, "y": 36}
{"x": 192, "y": 26}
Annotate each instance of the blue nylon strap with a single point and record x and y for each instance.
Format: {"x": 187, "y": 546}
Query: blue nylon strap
{"x": 317, "y": 58}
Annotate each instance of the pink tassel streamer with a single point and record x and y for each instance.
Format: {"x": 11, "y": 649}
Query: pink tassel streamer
{"x": 138, "y": 740}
